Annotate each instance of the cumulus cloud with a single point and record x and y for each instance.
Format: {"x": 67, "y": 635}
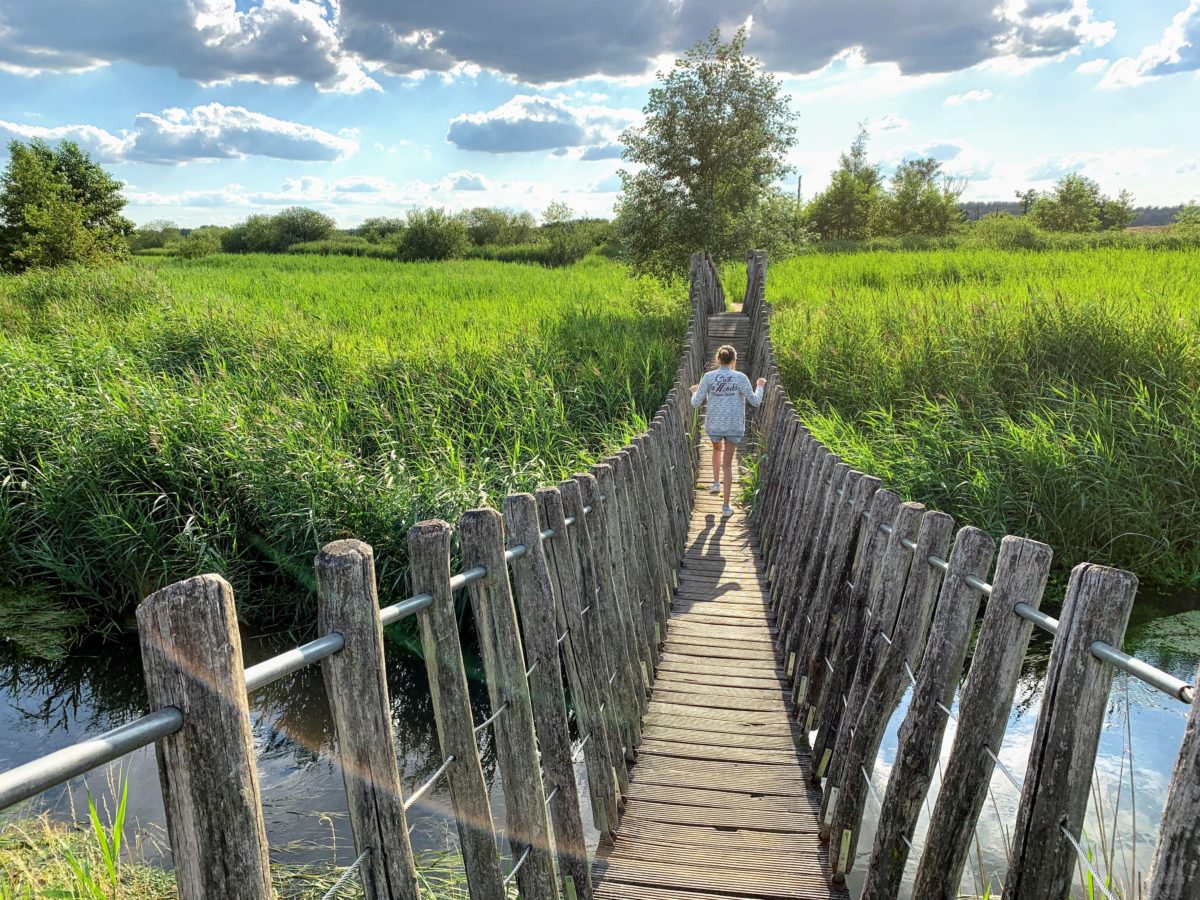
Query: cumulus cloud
{"x": 609, "y": 185}
{"x": 342, "y": 44}
{"x": 976, "y": 96}
{"x": 604, "y": 151}
{"x": 529, "y": 123}
{"x": 1177, "y": 51}
{"x": 1092, "y": 66}
{"x": 887, "y": 122}
{"x": 466, "y": 181}
{"x": 208, "y": 132}
{"x": 1103, "y": 165}
{"x": 958, "y": 156}
{"x": 204, "y": 40}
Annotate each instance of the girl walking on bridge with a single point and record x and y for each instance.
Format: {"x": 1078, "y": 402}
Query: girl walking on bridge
{"x": 726, "y": 390}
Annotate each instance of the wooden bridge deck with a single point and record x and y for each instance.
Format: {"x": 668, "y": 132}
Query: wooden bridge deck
{"x": 718, "y": 806}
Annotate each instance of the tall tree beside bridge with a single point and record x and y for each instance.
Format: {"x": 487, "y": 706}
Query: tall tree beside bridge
{"x": 714, "y": 143}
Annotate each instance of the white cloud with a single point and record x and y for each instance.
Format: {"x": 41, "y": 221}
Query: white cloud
{"x": 975, "y": 96}
{"x": 1189, "y": 167}
{"x": 208, "y": 132}
{"x": 1177, "y": 51}
{"x": 530, "y": 123}
{"x": 1107, "y": 166}
{"x": 1092, "y": 66}
{"x": 887, "y": 122}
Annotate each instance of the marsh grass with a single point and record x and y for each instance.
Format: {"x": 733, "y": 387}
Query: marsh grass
{"x": 1052, "y": 394}
{"x": 231, "y": 414}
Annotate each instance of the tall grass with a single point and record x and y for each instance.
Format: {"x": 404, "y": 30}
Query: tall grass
{"x": 1050, "y": 394}
{"x": 231, "y": 414}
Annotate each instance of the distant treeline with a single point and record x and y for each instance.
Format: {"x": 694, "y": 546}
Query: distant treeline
{"x": 1143, "y": 215}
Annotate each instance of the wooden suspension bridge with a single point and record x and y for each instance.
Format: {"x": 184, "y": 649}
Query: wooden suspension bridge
{"x": 725, "y": 682}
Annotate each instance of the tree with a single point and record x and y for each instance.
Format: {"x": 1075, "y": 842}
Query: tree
{"x": 201, "y": 242}
{"x": 849, "y": 209}
{"x": 921, "y": 201}
{"x": 1188, "y": 217}
{"x": 714, "y": 141}
{"x": 57, "y": 206}
{"x": 489, "y": 225}
{"x": 379, "y": 228}
{"x": 255, "y": 235}
{"x": 433, "y": 234}
{"x": 298, "y": 224}
{"x": 156, "y": 233}
{"x": 1076, "y": 204}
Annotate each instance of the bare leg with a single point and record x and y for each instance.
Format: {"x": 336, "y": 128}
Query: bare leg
{"x": 728, "y": 461}
{"x": 716, "y": 461}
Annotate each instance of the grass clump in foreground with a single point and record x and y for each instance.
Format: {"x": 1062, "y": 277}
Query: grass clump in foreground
{"x": 1053, "y": 394}
{"x": 232, "y": 414}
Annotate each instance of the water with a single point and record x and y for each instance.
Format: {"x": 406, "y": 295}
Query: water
{"x": 48, "y": 705}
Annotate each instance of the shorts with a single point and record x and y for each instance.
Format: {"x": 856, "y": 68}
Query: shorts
{"x": 730, "y": 438}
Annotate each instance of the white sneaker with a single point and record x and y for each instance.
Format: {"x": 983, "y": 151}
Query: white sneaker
{"x": 716, "y": 488}
{"x": 726, "y": 511}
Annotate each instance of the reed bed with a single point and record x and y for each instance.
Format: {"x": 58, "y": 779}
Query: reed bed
{"x": 231, "y": 414}
{"x": 1051, "y": 394}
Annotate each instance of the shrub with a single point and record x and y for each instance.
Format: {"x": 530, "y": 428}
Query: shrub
{"x": 201, "y": 242}
{"x": 432, "y": 234}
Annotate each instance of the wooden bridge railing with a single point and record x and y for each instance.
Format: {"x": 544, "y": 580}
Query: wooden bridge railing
{"x": 873, "y": 596}
{"x": 576, "y": 578}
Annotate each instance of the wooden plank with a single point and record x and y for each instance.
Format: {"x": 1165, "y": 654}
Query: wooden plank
{"x": 1176, "y": 868}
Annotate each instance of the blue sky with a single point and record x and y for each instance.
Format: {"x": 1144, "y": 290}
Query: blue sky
{"x": 210, "y": 110}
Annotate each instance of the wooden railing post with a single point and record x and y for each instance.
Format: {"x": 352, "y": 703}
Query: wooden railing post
{"x": 983, "y": 709}
{"x": 1058, "y": 777}
{"x": 901, "y": 655}
{"x": 429, "y": 553}
{"x": 634, "y": 535}
{"x": 192, "y": 657}
{"x": 535, "y": 602}
{"x": 920, "y": 738}
{"x": 1175, "y": 872}
{"x": 586, "y": 696}
{"x": 481, "y": 534}
{"x": 620, "y": 648}
{"x": 356, "y": 684}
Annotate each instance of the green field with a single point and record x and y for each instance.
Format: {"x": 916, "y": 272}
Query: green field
{"x": 1054, "y": 394}
{"x": 232, "y": 414}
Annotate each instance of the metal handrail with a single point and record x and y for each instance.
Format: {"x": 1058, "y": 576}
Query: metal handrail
{"x": 41, "y": 774}
{"x": 1181, "y": 690}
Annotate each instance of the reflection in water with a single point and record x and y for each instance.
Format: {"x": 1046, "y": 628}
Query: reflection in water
{"x": 46, "y": 705}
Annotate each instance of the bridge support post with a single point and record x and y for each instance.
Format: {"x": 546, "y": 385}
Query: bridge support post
{"x": 192, "y": 657}
{"x": 1176, "y": 867}
{"x": 1058, "y": 777}
{"x": 356, "y": 684}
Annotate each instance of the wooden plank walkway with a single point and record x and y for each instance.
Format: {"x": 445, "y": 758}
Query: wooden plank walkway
{"x": 718, "y": 804}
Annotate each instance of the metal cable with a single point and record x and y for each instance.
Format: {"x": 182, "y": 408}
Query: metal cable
{"x": 513, "y": 871}
{"x": 492, "y": 718}
{"x": 428, "y": 785}
{"x": 912, "y": 679}
{"x": 1083, "y": 858}
{"x": 1003, "y": 768}
{"x": 579, "y": 750}
{"x": 347, "y": 875}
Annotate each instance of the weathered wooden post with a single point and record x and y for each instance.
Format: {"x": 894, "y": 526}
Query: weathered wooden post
{"x": 192, "y": 657}
{"x": 920, "y": 738}
{"x": 586, "y": 695}
{"x": 535, "y": 600}
{"x": 1175, "y": 872}
{"x": 481, "y": 534}
{"x": 1058, "y": 777}
{"x": 984, "y": 704}
{"x": 356, "y": 684}
{"x": 903, "y": 651}
{"x": 429, "y": 555}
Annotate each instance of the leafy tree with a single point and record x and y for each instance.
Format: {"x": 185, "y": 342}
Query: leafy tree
{"x": 57, "y": 206}
{"x": 433, "y": 234}
{"x": 557, "y": 213}
{"x": 849, "y": 208}
{"x": 1188, "y": 217}
{"x": 714, "y": 141}
{"x": 255, "y": 235}
{"x": 1027, "y": 198}
{"x": 379, "y": 228}
{"x": 201, "y": 242}
{"x": 489, "y": 225}
{"x": 298, "y": 224}
{"x": 157, "y": 233}
{"x": 921, "y": 202}
{"x": 1076, "y": 204}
